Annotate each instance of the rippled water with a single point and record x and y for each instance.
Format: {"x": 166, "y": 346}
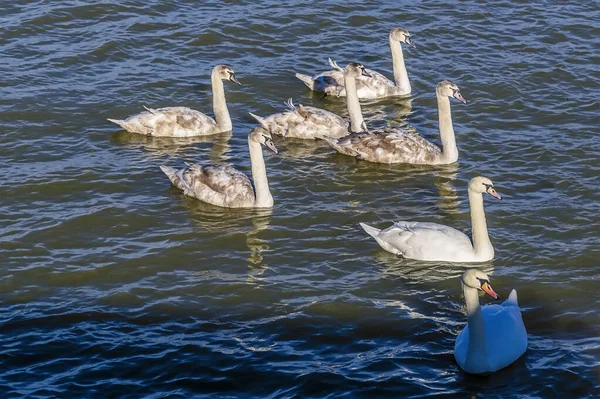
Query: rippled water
{"x": 113, "y": 284}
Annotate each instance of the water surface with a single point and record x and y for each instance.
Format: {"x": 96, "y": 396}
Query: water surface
{"x": 113, "y": 284}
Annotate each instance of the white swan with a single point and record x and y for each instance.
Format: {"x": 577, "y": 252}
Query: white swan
{"x": 375, "y": 86}
{"x": 183, "y": 121}
{"x": 495, "y": 335}
{"x": 436, "y": 242}
{"x": 398, "y": 146}
{"x": 315, "y": 123}
{"x": 225, "y": 186}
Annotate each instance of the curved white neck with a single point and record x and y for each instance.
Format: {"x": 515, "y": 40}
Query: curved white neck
{"x": 356, "y": 117}
{"x": 400, "y": 74}
{"x": 476, "y": 350}
{"x": 219, "y": 105}
{"x": 449, "y": 150}
{"x": 482, "y": 245}
{"x": 263, "y": 197}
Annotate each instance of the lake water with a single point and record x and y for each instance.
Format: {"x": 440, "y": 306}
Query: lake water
{"x": 114, "y": 284}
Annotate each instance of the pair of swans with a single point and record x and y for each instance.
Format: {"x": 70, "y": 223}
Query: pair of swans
{"x": 495, "y": 335}
{"x": 214, "y": 184}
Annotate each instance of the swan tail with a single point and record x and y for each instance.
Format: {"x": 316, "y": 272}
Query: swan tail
{"x": 261, "y": 121}
{"x": 372, "y": 231}
{"x": 176, "y": 178}
{"x": 346, "y": 150}
{"x": 308, "y": 81}
{"x": 170, "y": 172}
{"x": 512, "y": 299}
{"x": 151, "y": 110}
{"x": 335, "y": 65}
{"x": 120, "y": 122}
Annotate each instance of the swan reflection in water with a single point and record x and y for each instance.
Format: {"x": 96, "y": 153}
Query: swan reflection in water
{"x": 180, "y": 147}
{"x": 234, "y": 223}
{"x": 445, "y": 177}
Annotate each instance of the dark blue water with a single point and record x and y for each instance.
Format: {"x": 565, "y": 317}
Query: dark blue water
{"x": 114, "y": 285}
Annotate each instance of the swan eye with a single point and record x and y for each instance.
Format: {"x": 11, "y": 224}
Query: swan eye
{"x": 487, "y": 186}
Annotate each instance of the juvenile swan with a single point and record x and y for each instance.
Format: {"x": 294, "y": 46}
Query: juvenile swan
{"x": 183, "y": 121}
{"x": 397, "y": 146}
{"x": 495, "y": 335}
{"x": 315, "y": 123}
{"x": 436, "y": 242}
{"x": 369, "y": 87}
{"x": 223, "y": 185}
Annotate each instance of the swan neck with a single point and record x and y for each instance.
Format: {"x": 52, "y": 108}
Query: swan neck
{"x": 400, "y": 74}
{"x": 354, "y": 110}
{"x": 449, "y": 150}
{"x": 481, "y": 241}
{"x": 263, "y": 197}
{"x": 219, "y": 105}
{"x": 476, "y": 350}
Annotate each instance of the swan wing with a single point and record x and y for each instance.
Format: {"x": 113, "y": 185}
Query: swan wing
{"x": 330, "y": 82}
{"x": 375, "y": 86}
{"x": 367, "y": 87}
{"x": 171, "y": 122}
{"x": 220, "y": 185}
{"x": 428, "y": 241}
{"x": 389, "y": 146}
{"x": 307, "y": 123}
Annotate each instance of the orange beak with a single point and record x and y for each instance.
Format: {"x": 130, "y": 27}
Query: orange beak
{"x": 489, "y": 290}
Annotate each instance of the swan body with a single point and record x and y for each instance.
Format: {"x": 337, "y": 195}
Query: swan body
{"x": 368, "y": 87}
{"x": 304, "y": 123}
{"x": 314, "y": 123}
{"x": 393, "y": 146}
{"x": 436, "y": 242}
{"x": 495, "y": 335}
{"x": 225, "y": 186}
{"x": 184, "y": 121}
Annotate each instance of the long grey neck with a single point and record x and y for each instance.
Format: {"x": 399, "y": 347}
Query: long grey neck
{"x": 400, "y": 74}
{"x": 219, "y": 105}
{"x": 449, "y": 150}
{"x": 476, "y": 352}
{"x": 479, "y": 232}
{"x": 356, "y": 117}
{"x": 264, "y": 199}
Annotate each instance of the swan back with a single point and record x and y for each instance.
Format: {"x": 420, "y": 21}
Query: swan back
{"x": 219, "y": 185}
{"x": 305, "y": 122}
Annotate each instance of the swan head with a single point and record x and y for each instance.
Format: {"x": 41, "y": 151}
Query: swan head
{"x": 225, "y": 72}
{"x": 355, "y": 70}
{"x": 448, "y": 89}
{"x": 482, "y": 185}
{"x": 402, "y": 36}
{"x": 475, "y": 278}
{"x": 263, "y": 137}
